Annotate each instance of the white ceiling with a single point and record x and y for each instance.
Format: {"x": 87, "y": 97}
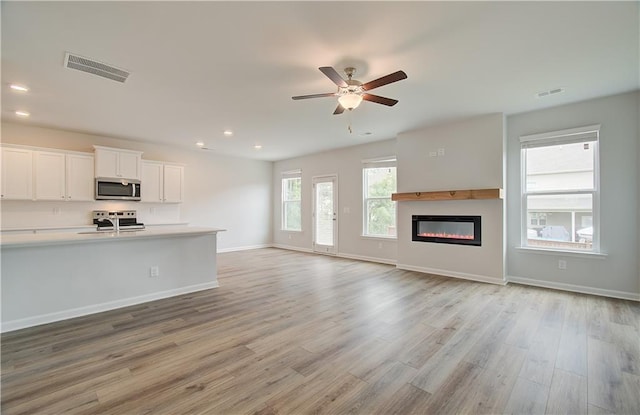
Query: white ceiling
{"x": 198, "y": 68}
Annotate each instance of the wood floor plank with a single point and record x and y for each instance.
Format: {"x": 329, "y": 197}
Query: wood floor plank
{"x": 527, "y": 398}
{"x": 296, "y": 333}
{"x": 408, "y": 400}
{"x": 540, "y": 361}
{"x": 568, "y": 394}
{"x": 604, "y": 374}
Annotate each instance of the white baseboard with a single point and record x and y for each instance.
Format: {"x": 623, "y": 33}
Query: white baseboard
{"x": 339, "y": 254}
{"x": 575, "y": 288}
{"x": 368, "y": 258}
{"x": 244, "y": 248}
{"x": 293, "y": 248}
{"x": 461, "y": 275}
{"x": 98, "y": 308}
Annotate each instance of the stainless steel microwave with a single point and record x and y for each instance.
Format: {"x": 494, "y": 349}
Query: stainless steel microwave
{"x": 117, "y": 189}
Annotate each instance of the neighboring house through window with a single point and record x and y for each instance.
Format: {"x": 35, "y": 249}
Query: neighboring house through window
{"x": 292, "y": 200}
{"x": 560, "y": 197}
{"x": 379, "y": 182}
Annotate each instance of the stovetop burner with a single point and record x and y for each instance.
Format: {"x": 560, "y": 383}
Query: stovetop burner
{"x": 127, "y": 218}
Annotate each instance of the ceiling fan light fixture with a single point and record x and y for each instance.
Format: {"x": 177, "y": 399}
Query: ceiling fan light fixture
{"x": 350, "y": 100}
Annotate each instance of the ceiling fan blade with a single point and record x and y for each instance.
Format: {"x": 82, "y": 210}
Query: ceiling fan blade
{"x": 334, "y": 76}
{"x": 339, "y": 110}
{"x": 328, "y": 94}
{"x": 380, "y": 100}
{"x": 376, "y": 83}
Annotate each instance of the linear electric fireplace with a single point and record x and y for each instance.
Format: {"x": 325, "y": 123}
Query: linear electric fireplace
{"x": 461, "y": 230}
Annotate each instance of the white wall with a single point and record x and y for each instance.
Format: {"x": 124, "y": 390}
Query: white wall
{"x": 220, "y": 191}
{"x": 346, "y": 163}
{"x": 617, "y": 274}
{"x": 473, "y": 159}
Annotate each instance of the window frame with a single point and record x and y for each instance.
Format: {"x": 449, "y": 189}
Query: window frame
{"x": 285, "y": 176}
{"x": 381, "y": 162}
{"x": 586, "y": 134}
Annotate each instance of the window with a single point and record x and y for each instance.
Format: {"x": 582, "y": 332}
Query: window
{"x": 560, "y": 197}
{"x": 379, "y": 182}
{"x": 291, "y": 201}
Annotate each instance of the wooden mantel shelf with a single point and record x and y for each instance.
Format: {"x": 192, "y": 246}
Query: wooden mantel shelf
{"x": 449, "y": 195}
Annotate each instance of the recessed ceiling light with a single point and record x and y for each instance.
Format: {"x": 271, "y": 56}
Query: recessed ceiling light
{"x": 257, "y": 146}
{"x": 19, "y": 88}
{"x": 22, "y": 114}
{"x": 200, "y": 144}
{"x": 228, "y": 133}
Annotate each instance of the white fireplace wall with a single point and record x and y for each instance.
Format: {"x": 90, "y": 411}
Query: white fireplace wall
{"x": 469, "y": 154}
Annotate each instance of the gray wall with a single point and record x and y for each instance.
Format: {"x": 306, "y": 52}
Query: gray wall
{"x": 617, "y": 274}
{"x": 347, "y": 165}
{"x": 472, "y": 159}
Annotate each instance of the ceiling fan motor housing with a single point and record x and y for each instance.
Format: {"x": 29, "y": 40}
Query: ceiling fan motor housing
{"x": 353, "y": 87}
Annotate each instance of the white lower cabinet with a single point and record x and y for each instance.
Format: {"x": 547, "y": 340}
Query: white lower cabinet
{"x": 63, "y": 176}
{"x": 162, "y": 182}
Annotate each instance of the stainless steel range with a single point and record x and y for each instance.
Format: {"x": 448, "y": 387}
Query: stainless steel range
{"x": 116, "y": 220}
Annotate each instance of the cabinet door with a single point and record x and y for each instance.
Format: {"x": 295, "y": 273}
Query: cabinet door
{"x": 106, "y": 163}
{"x": 80, "y": 182}
{"x": 49, "y": 175}
{"x": 173, "y": 183}
{"x": 129, "y": 165}
{"x": 17, "y": 174}
{"x": 151, "y": 182}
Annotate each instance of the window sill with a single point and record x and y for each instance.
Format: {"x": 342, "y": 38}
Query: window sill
{"x": 384, "y": 238}
{"x": 557, "y": 252}
{"x": 291, "y": 230}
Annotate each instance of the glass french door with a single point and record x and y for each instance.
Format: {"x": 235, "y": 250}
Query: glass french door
{"x": 325, "y": 219}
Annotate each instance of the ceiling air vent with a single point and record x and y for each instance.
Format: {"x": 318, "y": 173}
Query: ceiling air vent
{"x": 554, "y": 91}
{"x": 94, "y": 67}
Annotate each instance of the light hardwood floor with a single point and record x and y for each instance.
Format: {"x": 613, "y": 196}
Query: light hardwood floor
{"x": 294, "y": 333}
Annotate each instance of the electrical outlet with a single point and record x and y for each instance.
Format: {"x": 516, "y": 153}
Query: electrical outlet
{"x": 56, "y": 211}
{"x": 562, "y": 264}
{"x": 379, "y": 245}
{"x": 154, "y": 271}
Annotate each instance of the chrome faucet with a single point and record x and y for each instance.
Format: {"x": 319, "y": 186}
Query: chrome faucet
{"x": 115, "y": 221}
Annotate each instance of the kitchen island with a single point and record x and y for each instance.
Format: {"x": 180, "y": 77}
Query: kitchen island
{"x": 48, "y": 277}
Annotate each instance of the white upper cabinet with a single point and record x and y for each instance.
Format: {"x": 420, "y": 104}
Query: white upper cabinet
{"x": 117, "y": 163}
{"x": 80, "y": 183}
{"x": 162, "y": 182}
{"x": 152, "y": 181}
{"x": 50, "y": 175}
{"x": 63, "y": 176}
{"x": 17, "y": 174}
{"x": 173, "y": 183}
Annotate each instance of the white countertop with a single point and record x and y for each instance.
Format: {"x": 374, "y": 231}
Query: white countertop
{"x": 58, "y": 238}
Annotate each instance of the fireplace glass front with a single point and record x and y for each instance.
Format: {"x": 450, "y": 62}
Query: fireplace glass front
{"x": 462, "y": 230}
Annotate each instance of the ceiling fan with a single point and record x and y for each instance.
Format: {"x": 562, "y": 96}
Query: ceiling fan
{"x": 351, "y": 92}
